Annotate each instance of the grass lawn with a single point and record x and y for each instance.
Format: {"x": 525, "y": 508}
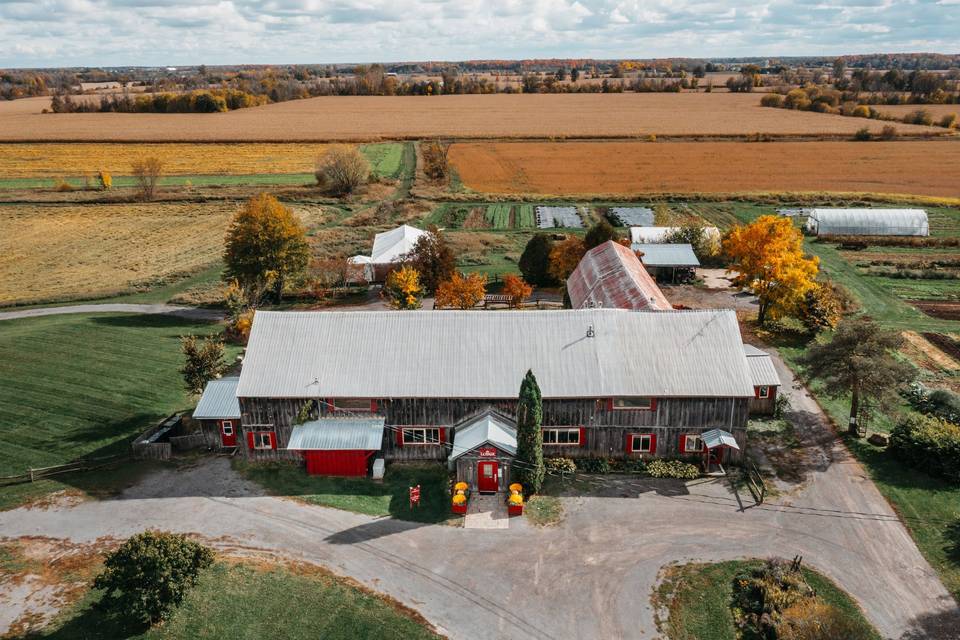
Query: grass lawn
{"x": 543, "y": 510}
{"x": 82, "y": 385}
{"x": 698, "y": 598}
{"x": 255, "y": 601}
{"x": 361, "y": 495}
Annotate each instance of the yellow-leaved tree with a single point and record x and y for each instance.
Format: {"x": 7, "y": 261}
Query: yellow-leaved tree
{"x": 461, "y": 292}
{"x": 403, "y": 289}
{"x": 768, "y": 257}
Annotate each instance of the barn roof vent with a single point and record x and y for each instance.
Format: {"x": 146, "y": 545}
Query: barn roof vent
{"x": 590, "y": 332}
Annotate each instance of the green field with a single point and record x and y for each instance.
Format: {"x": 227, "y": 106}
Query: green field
{"x": 498, "y": 216}
{"x": 698, "y": 597}
{"x": 248, "y": 601}
{"x": 82, "y": 385}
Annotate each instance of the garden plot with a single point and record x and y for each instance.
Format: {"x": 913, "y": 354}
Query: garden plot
{"x": 551, "y": 217}
{"x": 632, "y": 216}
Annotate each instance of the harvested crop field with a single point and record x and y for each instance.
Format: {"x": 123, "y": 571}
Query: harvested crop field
{"x": 71, "y": 252}
{"x": 930, "y": 168}
{"x": 44, "y": 160}
{"x": 479, "y": 116}
{"x": 900, "y": 110}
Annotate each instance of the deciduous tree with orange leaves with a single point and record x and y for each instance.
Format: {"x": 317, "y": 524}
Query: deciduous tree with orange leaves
{"x": 768, "y": 257}
{"x": 517, "y": 289}
{"x": 461, "y": 291}
{"x": 565, "y": 256}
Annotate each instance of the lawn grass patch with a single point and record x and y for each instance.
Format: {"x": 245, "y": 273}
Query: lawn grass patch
{"x": 247, "y": 600}
{"x": 360, "y": 495}
{"x": 543, "y": 510}
{"x": 83, "y": 385}
{"x": 386, "y": 160}
{"x": 697, "y": 600}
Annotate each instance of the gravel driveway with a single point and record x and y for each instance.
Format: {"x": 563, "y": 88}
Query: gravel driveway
{"x": 589, "y": 577}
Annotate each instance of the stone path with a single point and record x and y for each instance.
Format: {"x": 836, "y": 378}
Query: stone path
{"x": 486, "y": 512}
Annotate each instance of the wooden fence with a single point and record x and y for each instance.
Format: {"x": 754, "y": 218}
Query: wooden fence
{"x": 154, "y": 444}
{"x": 192, "y": 441}
{"x": 39, "y": 473}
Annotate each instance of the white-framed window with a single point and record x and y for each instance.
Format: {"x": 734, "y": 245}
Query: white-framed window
{"x": 693, "y": 444}
{"x": 421, "y": 435}
{"x": 351, "y": 404}
{"x": 564, "y": 436}
{"x": 641, "y": 443}
{"x": 227, "y": 427}
{"x": 262, "y": 440}
{"x": 643, "y": 404}
{"x": 763, "y": 392}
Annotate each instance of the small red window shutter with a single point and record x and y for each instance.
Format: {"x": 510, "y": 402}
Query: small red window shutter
{"x": 373, "y": 406}
{"x": 629, "y": 443}
{"x": 756, "y": 392}
{"x": 653, "y": 443}
{"x": 443, "y": 435}
{"x": 609, "y": 404}
{"x": 583, "y": 437}
{"x": 250, "y": 439}
{"x": 273, "y": 440}
{"x": 683, "y": 443}
{"x": 399, "y": 437}
{"x": 653, "y": 404}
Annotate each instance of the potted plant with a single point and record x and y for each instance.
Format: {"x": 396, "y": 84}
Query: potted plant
{"x": 460, "y": 497}
{"x": 515, "y": 504}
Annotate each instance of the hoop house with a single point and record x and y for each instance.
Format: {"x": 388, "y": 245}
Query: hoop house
{"x": 868, "y": 222}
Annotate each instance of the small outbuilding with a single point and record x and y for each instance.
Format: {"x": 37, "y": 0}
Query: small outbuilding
{"x": 389, "y": 248}
{"x": 483, "y": 450}
{"x": 612, "y": 276}
{"x": 668, "y": 262}
{"x": 657, "y": 235}
{"x": 766, "y": 381}
{"x": 338, "y": 446}
{"x": 868, "y": 222}
{"x": 218, "y": 412}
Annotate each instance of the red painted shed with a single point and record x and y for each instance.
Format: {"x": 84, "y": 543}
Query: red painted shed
{"x": 338, "y": 446}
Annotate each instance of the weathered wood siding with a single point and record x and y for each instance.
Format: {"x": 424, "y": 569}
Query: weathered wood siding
{"x": 764, "y": 406}
{"x": 606, "y": 430}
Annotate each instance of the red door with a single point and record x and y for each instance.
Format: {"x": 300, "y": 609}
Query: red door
{"x": 715, "y": 456}
{"x": 487, "y": 481}
{"x": 228, "y": 433}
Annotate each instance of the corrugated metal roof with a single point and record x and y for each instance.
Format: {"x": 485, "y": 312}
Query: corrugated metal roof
{"x": 667, "y": 255}
{"x": 611, "y": 276}
{"x": 219, "y": 400}
{"x": 719, "y": 438}
{"x": 390, "y": 246}
{"x": 761, "y": 366}
{"x": 485, "y": 428}
{"x": 641, "y": 235}
{"x": 338, "y": 434}
{"x": 477, "y": 354}
{"x": 869, "y": 222}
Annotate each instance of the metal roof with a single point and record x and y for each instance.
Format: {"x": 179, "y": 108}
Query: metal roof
{"x": 869, "y": 222}
{"x": 667, "y": 255}
{"x": 719, "y": 438}
{"x": 219, "y": 400}
{"x": 392, "y": 245}
{"x": 338, "y": 434}
{"x": 487, "y": 428}
{"x": 761, "y": 367}
{"x": 641, "y": 235}
{"x": 611, "y": 276}
{"x": 485, "y": 354}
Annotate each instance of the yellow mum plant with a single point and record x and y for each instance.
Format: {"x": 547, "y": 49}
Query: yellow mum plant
{"x": 459, "y": 499}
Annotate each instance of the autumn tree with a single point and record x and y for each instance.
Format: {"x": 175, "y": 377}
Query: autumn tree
{"x": 435, "y": 165}
{"x": 565, "y": 256}
{"x": 821, "y": 308}
{"x": 528, "y": 467}
{"x": 146, "y": 172}
{"x": 535, "y": 261}
{"x": 433, "y": 258}
{"x": 461, "y": 291}
{"x": 598, "y": 234}
{"x": 341, "y": 169}
{"x": 516, "y": 289}
{"x": 858, "y": 361}
{"x": 203, "y": 362}
{"x": 403, "y": 289}
{"x": 769, "y": 260}
{"x": 266, "y": 247}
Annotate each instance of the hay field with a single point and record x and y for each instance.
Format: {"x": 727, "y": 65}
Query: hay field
{"x": 930, "y": 168}
{"x": 479, "y": 116}
{"x": 70, "y": 252}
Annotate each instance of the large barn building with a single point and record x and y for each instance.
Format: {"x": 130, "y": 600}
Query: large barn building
{"x": 612, "y": 276}
{"x": 338, "y": 389}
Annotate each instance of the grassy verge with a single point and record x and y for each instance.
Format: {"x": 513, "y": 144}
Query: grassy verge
{"x": 82, "y": 385}
{"x": 249, "y": 600}
{"x": 361, "y": 495}
{"x": 698, "y": 597}
{"x": 543, "y": 510}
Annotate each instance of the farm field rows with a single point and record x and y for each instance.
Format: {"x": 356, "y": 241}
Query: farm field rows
{"x": 929, "y": 168}
{"x": 22, "y": 164}
{"x": 372, "y": 118}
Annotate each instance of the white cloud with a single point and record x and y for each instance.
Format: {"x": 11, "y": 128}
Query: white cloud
{"x": 159, "y": 32}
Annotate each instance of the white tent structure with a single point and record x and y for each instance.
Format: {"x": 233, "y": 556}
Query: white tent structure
{"x": 657, "y": 235}
{"x": 389, "y": 247}
{"x": 868, "y": 222}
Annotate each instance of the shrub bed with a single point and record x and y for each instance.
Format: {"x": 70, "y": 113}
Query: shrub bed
{"x": 930, "y": 444}
{"x": 673, "y": 469}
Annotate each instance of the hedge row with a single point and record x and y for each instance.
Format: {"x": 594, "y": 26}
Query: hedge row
{"x": 929, "y": 444}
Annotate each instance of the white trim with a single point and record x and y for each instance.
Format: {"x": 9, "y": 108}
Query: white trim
{"x": 556, "y": 431}
{"x": 697, "y": 439}
{"x": 763, "y": 391}
{"x": 258, "y": 437}
{"x": 223, "y": 428}
{"x": 640, "y": 436}
{"x": 427, "y": 439}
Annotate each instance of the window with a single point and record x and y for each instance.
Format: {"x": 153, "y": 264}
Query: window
{"x": 421, "y": 435}
{"x": 227, "y": 427}
{"x": 632, "y": 403}
{"x": 763, "y": 392}
{"x": 692, "y": 444}
{"x": 562, "y": 436}
{"x": 642, "y": 443}
{"x": 262, "y": 440}
{"x": 352, "y": 404}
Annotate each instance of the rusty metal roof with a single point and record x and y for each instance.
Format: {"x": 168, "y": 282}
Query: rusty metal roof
{"x": 612, "y": 276}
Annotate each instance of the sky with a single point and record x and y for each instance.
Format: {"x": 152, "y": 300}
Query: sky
{"x": 62, "y": 33}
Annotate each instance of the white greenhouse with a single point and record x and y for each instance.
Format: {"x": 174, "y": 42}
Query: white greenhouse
{"x": 868, "y": 222}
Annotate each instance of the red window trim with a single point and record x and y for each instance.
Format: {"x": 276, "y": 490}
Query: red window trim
{"x": 683, "y": 443}
{"x": 581, "y": 433}
{"x": 760, "y": 395}
{"x": 611, "y": 407}
{"x": 632, "y": 438}
{"x": 252, "y": 440}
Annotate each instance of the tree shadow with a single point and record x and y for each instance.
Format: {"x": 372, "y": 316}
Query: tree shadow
{"x": 942, "y": 625}
{"x": 171, "y": 320}
{"x": 952, "y": 534}
{"x": 373, "y": 530}
{"x": 92, "y": 622}
{"x": 613, "y": 486}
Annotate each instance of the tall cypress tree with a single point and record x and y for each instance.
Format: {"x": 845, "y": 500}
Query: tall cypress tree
{"x": 529, "y": 470}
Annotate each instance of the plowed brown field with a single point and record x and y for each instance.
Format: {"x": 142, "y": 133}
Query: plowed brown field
{"x": 501, "y": 115}
{"x": 922, "y": 168}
